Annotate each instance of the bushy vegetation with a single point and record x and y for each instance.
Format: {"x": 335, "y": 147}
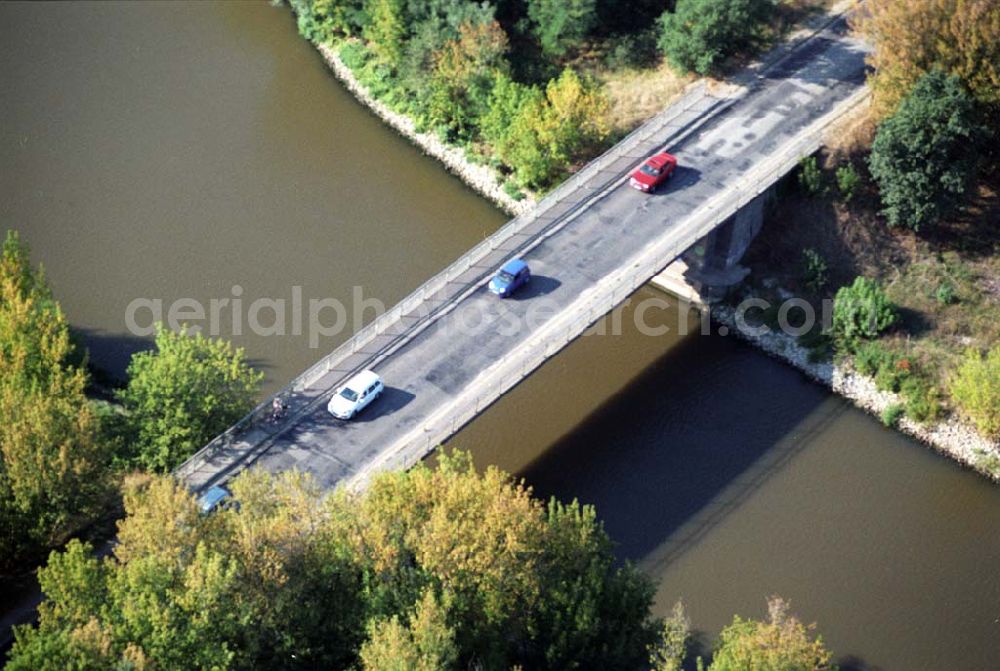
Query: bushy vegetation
{"x": 921, "y": 158}
{"x": 782, "y": 643}
{"x": 432, "y": 569}
{"x": 913, "y": 37}
{"x": 183, "y": 394}
{"x": 63, "y": 454}
{"x": 975, "y": 388}
{"x": 847, "y": 181}
{"x": 861, "y": 310}
{"x": 700, "y": 34}
{"x": 514, "y": 82}
{"x": 53, "y": 471}
{"x": 810, "y": 175}
{"x": 815, "y": 271}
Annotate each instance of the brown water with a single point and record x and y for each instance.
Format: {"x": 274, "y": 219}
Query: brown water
{"x": 167, "y": 151}
{"x": 174, "y": 150}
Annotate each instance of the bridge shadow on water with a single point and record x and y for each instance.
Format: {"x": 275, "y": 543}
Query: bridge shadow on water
{"x": 682, "y": 446}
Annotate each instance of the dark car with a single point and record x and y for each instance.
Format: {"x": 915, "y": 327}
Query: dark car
{"x": 514, "y": 274}
{"x": 654, "y": 172}
{"x": 215, "y": 498}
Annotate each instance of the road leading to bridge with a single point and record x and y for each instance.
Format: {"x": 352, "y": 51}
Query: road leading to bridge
{"x": 453, "y": 352}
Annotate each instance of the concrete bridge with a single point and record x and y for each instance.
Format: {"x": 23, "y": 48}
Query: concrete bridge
{"x": 450, "y": 349}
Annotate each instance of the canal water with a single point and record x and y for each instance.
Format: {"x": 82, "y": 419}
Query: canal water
{"x": 168, "y": 151}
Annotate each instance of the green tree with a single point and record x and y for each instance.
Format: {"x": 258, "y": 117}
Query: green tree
{"x": 429, "y": 569}
{"x": 53, "y": 470}
{"x": 463, "y": 76}
{"x": 671, "y": 647}
{"x": 427, "y": 644}
{"x": 561, "y": 25}
{"x": 699, "y": 34}
{"x": 782, "y": 643}
{"x": 386, "y": 30}
{"x": 861, "y": 310}
{"x": 183, "y": 395}
{"x": 539, "y": 134}
{"x": 920, "y": 158}
{"x": 323, "y": 20}
{"x": 975, "y": 387}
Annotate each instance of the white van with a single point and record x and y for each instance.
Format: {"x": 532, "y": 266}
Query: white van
{"x": 355, "y": 395}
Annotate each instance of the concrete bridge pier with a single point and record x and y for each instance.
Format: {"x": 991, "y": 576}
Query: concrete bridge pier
{"x": 706, "y": 272}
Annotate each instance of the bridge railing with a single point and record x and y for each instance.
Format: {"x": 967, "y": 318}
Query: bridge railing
{"x": 593, "y": 305}
{"x": 695, "y": 96}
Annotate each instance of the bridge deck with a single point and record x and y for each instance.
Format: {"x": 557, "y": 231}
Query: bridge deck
{"x": 589, "y": 246}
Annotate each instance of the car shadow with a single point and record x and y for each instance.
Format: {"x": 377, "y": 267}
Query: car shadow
{"x": 540, "y": 285}
{"x": 684, "y": 177}
{"x": 391, "y": 400}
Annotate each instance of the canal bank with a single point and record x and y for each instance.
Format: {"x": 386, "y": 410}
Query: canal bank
{"x": 725, "y": 475}
{"x": 949, "y": 436}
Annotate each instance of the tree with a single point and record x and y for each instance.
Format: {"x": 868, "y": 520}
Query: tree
{"x": 427, "y": 644}
{"x": 184, "y": 394}
{"x": 463, "y": 76}
{"x": 429, "y": 569}
{"x": 914, "y": 37}
{"x": 975, "y": 386}
{"x": 699, "y": 34}
{"x": 540, "y": 135}
{"x": 861, "y": 310}
{"x": 386, "y": 30}
{"x": 323, "y": 20}
{"x": 782, "y": 643}
{"x": 920, "y": 158}
{"x": 671, "y": 647}
{"x": 52, "y": 473}
{"x": 561, "y": 25}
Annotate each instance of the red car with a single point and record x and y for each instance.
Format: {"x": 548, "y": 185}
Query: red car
{"x": 654, "y": 172}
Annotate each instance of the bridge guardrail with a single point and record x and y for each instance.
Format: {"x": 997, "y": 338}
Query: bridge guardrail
{"x": 695, "y": 96}
{"x": 501, "y": 377}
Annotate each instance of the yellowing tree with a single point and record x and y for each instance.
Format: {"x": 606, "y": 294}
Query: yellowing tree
{"x": 912, "y": 37}
{"x": 52, "y": 472}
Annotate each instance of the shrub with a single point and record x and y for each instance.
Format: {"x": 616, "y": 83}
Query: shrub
{"x": 354, "y": 55}
{"x": 920, "y": 158}
{"x": 814, "y": 270}
{"x": 892, "y": 373}
{"x": 561, "y": 25}
{"x": 922, "y": 404}
{"x": 847, "y": 181}
{"x": 511, "y": 188}
{"x": 892, "y": 415}
{"x": 810, "y": 175}
{"x": 861, "y": 310}
{"x": 975, "y": 388}
{"x": 699, "y": 34}
{"x": 818, "y": 342}
{"x": 871, "y": 357}
{"x": 945, "y": 294}
{"x": 633, "y": 50}
{"x": 782, "y": 642}
{"x": 987, "y": 462}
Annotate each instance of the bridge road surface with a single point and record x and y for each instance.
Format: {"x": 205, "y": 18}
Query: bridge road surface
{"x": 440, "y": 364}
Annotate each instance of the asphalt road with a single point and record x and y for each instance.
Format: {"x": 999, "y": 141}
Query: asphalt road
{"x": 440, "y": 364}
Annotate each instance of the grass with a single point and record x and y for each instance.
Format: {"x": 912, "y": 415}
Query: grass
{"x": 946, "y": 282}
